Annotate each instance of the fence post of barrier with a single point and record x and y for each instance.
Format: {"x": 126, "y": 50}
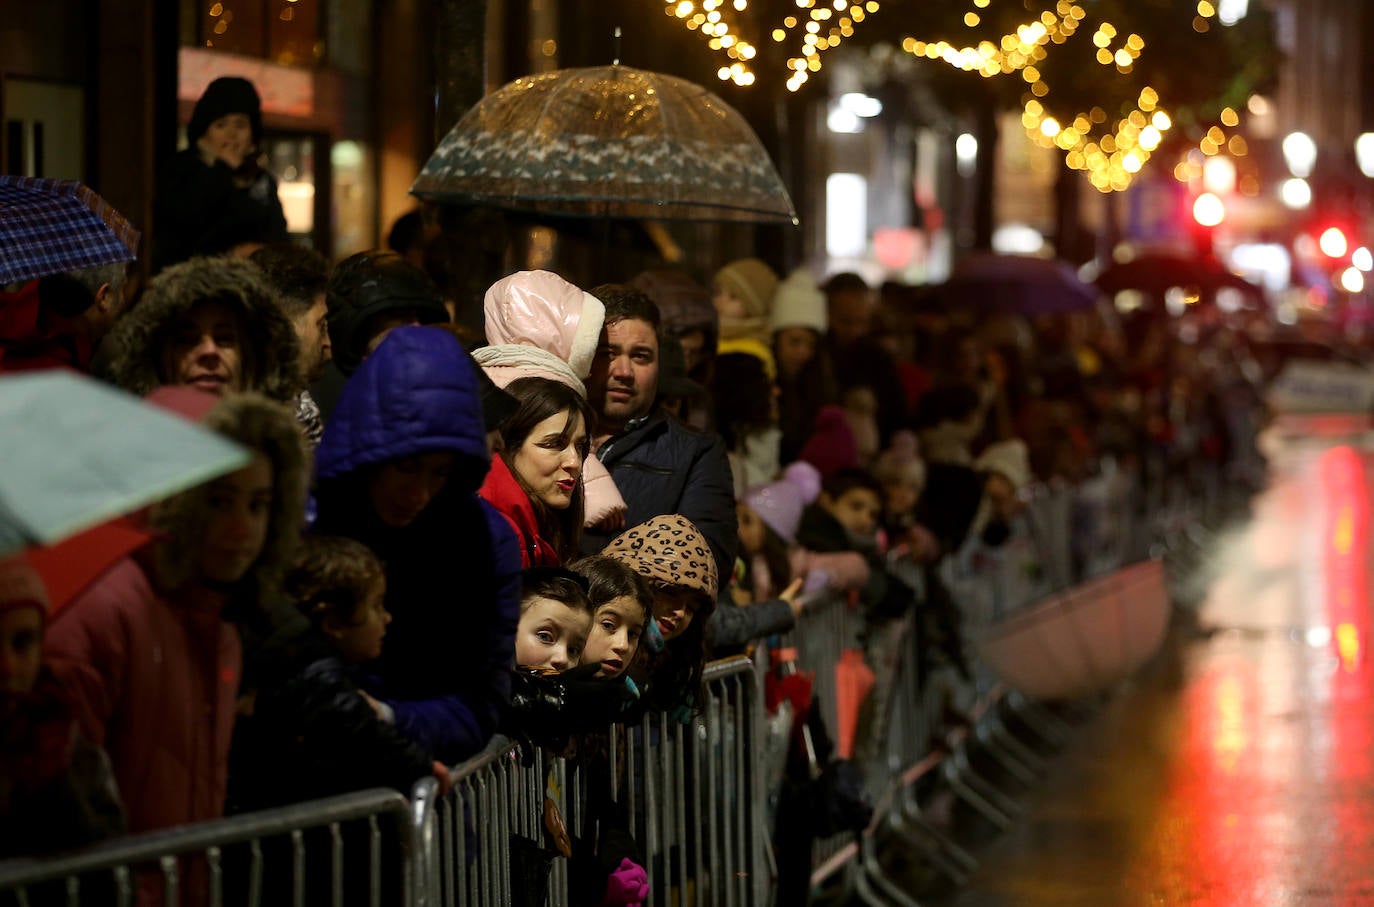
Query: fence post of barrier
{"x": 423, "y": 842}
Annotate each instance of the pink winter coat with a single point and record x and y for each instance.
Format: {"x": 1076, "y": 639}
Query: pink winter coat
{"x": 539, "y": 325}
{"x": 155, "y": 684}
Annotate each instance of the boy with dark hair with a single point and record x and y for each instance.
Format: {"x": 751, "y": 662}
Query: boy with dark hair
{"x": 555, "y": 618}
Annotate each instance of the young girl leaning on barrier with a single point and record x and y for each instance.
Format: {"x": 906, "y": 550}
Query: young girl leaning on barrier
{"x": 675, "y": 558}
{"x": 774, "y": 575}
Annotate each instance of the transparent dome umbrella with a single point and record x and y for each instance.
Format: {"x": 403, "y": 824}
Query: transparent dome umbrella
{"x": 611, "y": 142}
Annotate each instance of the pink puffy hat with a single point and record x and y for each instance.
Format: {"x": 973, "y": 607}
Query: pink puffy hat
{"x": 779, "y": 504}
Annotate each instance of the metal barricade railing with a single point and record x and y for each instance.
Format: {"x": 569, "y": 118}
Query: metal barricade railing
{"x": 693, "y": 797}
{"x": 354, "y": 849}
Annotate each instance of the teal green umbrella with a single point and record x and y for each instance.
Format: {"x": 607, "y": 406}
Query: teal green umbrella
{"x": 74, "y": 453}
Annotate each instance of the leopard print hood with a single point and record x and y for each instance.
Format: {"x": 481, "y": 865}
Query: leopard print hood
{"x": 668, "y": 549}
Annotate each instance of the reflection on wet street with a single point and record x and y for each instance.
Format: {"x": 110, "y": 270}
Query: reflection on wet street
{"x": 1240, "y": 771}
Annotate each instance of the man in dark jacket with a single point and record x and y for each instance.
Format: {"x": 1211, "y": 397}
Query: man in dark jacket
{"x": 659, "y": 465}
{"x": 369, "y": 295}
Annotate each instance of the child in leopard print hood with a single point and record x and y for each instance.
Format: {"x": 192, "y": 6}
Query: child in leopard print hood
{"x": 675, "y": 558}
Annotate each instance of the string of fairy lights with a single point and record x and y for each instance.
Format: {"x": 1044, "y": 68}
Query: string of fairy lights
{"x": 1110, "y": 150}
{"x": 820, "y": 25}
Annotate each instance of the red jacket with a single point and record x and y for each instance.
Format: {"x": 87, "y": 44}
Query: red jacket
{"x": 33, "y": 339}
{"x": 155, "y": 683}
{"x": 503, "y": 492}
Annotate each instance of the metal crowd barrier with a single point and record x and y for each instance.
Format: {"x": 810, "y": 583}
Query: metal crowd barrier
{"x": 692, "y": 796}
{"x": 358, "y": 849}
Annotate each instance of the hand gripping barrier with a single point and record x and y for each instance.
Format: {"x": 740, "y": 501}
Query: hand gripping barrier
{"x": 357, "y": 849}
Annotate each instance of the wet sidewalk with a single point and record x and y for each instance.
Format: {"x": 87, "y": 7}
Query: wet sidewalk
{"x": 1239, "y": 771}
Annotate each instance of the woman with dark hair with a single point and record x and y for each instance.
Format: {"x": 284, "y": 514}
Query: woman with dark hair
{"x": 536, "y": 481}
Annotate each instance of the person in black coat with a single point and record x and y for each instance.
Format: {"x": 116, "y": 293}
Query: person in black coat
{"x": 214, "y": 195}
{"x": 659, "y": 465}
{"x": 311, "y": 731}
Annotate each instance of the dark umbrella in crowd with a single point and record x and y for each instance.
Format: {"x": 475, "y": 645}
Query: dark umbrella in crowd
{"x": 608, "y": 141}
{"x": 1155, "y": 273}
{"x": 1018, "y": 284}
{"x": 54, "y": 226}
{"x": 78, "y": 453}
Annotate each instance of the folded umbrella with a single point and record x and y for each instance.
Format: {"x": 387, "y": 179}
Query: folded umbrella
{"x": 54, "y": 226}
{"x": 78, "y": 452}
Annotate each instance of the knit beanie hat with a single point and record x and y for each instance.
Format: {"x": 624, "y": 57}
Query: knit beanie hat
{"x": 750, "y": 346}
{"x": 752, "y": 282}
{"x": 780, "y": 504}
{"x": 901, "y": 462}
{"x": 668, "y": 549}
{"x": 226, "y": 95}
{"x": 21, "y": 586}
{"x": 1008, "y": 458}
{"x": 799, "y": 303}
{"x": 831, "y": 446}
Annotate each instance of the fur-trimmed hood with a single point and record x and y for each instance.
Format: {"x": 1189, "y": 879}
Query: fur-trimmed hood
{"x": 270, "y": 348}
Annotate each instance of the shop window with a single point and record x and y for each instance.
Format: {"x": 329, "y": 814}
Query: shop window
{"x": 289, "y": 32}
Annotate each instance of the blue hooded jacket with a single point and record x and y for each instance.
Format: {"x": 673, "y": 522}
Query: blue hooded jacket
{"x": 453, "y": 575}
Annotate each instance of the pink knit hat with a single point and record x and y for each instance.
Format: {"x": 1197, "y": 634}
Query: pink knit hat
{"x": 779, "y": 504}
{"x": 831, "y": 446}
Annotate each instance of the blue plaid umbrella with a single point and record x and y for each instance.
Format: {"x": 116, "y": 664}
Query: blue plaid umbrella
{"x": 53, "y": 226}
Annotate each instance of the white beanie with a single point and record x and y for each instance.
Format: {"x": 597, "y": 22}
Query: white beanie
{"x": 799, "y": 303}
{"x": 1010, "y": 459}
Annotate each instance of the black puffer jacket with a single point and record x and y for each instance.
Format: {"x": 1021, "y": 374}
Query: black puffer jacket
{"x": 662, "y": 467}
{"x": 312, "y": 734}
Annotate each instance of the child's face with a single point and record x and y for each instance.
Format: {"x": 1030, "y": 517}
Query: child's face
{"x": 551, "y": 635}
{"x": 614, "y": 637}
{"x": 795, "y": 347}
{"x": 901, "y": 498}
{"x": 21, "y": 649}
{"x": 727, "y": 304}
{"x": 752, "y": 530}
{"x": 240, "y": 509}
{"x": 857, "y": 510}
{"x": 360, "y": 640}
{"x": 674, "y": 608}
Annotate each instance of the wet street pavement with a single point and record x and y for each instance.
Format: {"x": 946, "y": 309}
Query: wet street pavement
{"x": 1239, "y": 770}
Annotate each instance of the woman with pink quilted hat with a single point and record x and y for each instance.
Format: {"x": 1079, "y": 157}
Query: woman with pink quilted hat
{"x": 540, "y": 325}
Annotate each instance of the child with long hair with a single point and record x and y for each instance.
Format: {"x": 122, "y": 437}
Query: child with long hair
{"x": 676, "y": 559}
{"x": 622, "y": 603}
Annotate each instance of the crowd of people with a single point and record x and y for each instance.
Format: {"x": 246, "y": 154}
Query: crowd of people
{"x": 539, "y": 533}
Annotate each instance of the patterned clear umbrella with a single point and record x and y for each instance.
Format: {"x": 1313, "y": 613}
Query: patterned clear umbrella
{"x": 607, "y": 141}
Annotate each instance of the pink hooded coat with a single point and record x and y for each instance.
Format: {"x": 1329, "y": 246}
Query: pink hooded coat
{"x": 539, "y": 325}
